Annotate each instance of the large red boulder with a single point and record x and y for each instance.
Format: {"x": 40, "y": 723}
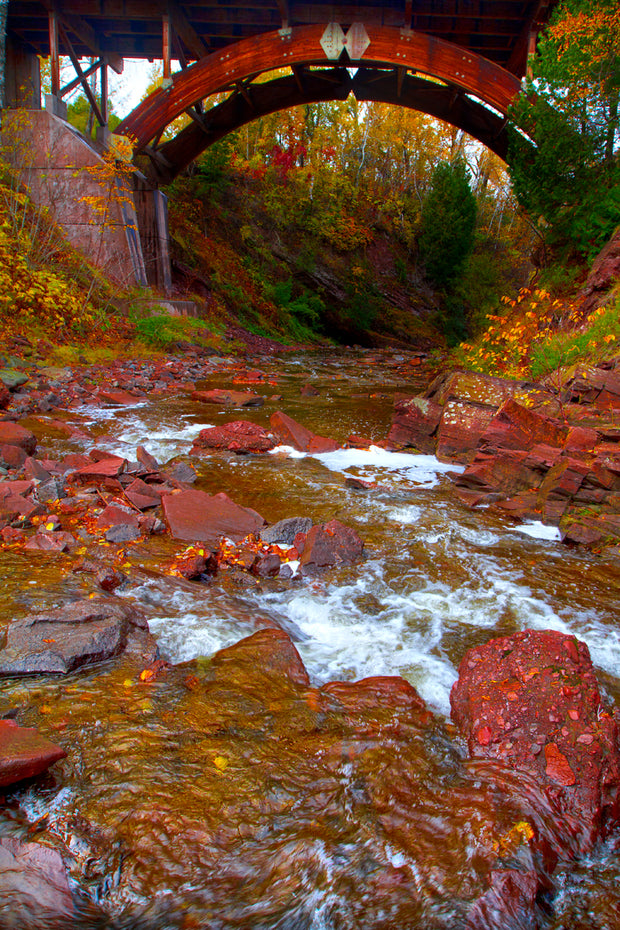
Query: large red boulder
{"x": 12, "y": 434}
{"x": 199, "y": 517}
{"x": 530, "y": 702}
{"x": 329, "y": 544}
{"x": 24, "y": 753}
{"x": 241, "y": 436}
{"x": 292, "y": 433}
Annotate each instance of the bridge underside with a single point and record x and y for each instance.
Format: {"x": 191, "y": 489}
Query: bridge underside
{"x": 455, "y": 85}
{"x": 438, "y": 100}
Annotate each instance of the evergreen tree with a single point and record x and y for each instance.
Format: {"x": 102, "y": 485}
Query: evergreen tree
{"x": 448, "y": 223}
{"x": 565, "y": 168}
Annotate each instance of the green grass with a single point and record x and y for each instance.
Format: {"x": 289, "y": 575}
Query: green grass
{"x": 599, "y": 340}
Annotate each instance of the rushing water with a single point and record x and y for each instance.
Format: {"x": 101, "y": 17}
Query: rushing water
{"x": 438, "y": 579}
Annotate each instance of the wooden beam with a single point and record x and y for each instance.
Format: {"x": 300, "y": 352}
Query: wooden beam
{"x": 54, "y": 52}
{"x": 186, "y": 31}
{"x": 285, "y": 13}
{"x": 78, "y": 80}
{"x": 368, "y": 84}
{"x": 389, "y": 47}
{"x": 167, "y": 49}
{"x": 86, "y": 34}
{"x": 104, "y": 93}
{"x": 78, "y": 70}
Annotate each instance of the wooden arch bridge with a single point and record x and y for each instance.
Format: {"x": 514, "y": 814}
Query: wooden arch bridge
{"x": 459, "y": 60}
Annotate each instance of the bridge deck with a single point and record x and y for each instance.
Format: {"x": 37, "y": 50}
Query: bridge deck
{"x": 495, "y": 29}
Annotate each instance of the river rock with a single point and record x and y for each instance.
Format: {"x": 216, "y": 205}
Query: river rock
{"x": 531, "y": 703}
{"x": 34, "y": 889}
{"x": 12, "y": 456}
{"x": 285, "y": 531}
{"x": 5, "y": 396}
{"x": 223, "y": 398}
{"x": 109, "y": 466}
{"x": 414, "y": 424}
{"x": 241, "y": 436}
{"x": 24, "y": 753}
{"x": 12, "y": 379}
{"x": 292, "y": 433}
{"x": 330, "y": 544}
{"x": 199, "y": 517}
{"x": 12, "y": 434}
{"x": 80, "y": 633}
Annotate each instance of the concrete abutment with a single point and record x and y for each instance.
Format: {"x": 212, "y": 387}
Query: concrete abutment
{"x": 120, "y": 224}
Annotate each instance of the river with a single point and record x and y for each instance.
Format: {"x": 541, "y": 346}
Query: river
{"x": 131, "y": 806}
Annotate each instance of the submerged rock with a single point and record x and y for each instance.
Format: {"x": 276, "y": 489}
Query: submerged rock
{"x": 24, "y": 753}
{"x": 292, "y": 433}
{"x": 224, "y": 398}
{"x": 77, "y": 634}
{"x": 34, "y": 889}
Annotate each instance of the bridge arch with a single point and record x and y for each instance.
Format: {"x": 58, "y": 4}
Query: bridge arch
{"x": 392, "y": 52}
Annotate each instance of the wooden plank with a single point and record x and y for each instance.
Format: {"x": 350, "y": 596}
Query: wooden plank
{"x": 388, "y": 46}
{"x": 78, "y": 70}
{"x": 54, "y": 52}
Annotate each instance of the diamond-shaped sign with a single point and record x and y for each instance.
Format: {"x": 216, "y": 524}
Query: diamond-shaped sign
{"x": 333, "y": 41}
{"x": 356, "y": 41}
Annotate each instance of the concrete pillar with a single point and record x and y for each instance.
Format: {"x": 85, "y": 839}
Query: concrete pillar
{"x": 22, "y": 77}
{"x": 152, "y": 211}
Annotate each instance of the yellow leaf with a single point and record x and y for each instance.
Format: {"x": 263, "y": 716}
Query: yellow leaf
{"x": 220, "y": 762}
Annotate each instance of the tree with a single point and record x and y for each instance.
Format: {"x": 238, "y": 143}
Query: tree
{"x": 448, "y": 223}
{"x": 569, "y": 177}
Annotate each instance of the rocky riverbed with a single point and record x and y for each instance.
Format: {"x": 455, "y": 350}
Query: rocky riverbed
{"x": 237, "y": 594}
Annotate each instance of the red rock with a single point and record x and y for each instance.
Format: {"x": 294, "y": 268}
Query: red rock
{"x": 109, "y": 467}
{"x": 329, "y": 544}
{"x": 518, "y": 427}
{"x": 269, "y": 653}
{"x": 5, "y": 396}
{"x": 50, "y": 542}
{"x": 12, "y": 434}
{"x": 12, "y": 456}
{"x": 115, "y": 515}
{"x": 228, "y": 398}
{"x": 11, "y": 535}
{"x": 200, "y": 517}
{"x": 241, "y": 436}
{"x": 17, "y": 506}
{"x": 12, "y": 488}
{"x": 375, "y": 691}
{"x": 534, "y": 690}
{"x": 142, "y": 495}
{"x": 308, "y": 390}
{"x": 118, "y": 398}
{"x": 605, "y": 271}
{"x": 415, "y": 423}
{"x": 24, "y": 753}
{"x": 291, "y": 433}
{"x": 558, "y": 768}
{"x": 460, "y": 428}
{"x": 145, "y": 458}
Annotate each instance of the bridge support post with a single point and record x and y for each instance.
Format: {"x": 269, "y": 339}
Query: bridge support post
{"x": 22, "y": 77}
{"x": 152, "y": 213}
